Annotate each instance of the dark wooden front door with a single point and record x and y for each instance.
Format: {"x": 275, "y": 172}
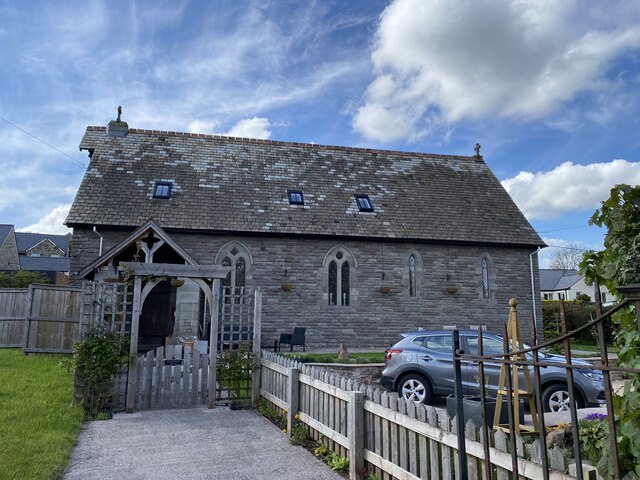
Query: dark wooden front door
{"x": 157, "y": 317}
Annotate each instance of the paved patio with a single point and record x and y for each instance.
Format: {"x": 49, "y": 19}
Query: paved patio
{"x": 193, "y": 443}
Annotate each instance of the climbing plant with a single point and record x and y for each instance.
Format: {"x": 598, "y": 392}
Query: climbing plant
{"x": 619, "y": 265}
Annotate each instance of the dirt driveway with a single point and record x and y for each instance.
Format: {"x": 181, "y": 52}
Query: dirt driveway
{"x": 192, "y": 443}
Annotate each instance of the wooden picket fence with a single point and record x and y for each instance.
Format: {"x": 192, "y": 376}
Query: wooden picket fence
{"x": 385, "y": 435}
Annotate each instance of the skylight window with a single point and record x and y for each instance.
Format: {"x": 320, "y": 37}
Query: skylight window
{"x": 162, "y": 190}
{"x": 364, "y": 203}
{"x": 295, "y": 197}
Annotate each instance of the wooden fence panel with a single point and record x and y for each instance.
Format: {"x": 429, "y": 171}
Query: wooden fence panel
{"x": 13, "y": 310}
{"x": 52, "y": 323}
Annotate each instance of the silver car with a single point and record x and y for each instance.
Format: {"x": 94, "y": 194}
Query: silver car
{"x": 420, "y": 367}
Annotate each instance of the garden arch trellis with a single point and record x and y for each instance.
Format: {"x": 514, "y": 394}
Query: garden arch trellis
{"x": 154, "y": 273}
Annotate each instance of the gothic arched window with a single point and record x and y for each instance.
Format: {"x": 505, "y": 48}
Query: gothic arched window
{"x": 339, "y": 279}
{"x": 485, "y": 278}
{"x": 412, "y": 275}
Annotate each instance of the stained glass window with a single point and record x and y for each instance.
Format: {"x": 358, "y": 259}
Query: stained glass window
{"x": 485, "y": 278}
{"x": 412, "y": 275}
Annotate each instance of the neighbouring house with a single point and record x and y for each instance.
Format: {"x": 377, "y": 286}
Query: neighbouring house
{"x": 355, "y": 244}
{"x": 567, "y": 284}
{"x": 36, "y": 252}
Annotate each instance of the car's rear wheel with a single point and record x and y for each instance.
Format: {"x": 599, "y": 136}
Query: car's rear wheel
{"x": 556, "y": 398}
{"x": 415, "y": 388}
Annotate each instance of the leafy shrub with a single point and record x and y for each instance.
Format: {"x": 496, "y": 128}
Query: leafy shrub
{"x": 594, "y": 435}
{"x": 97, "y": 359}
{"x": 234, "y": 370}
{"x": 577, "y": 313}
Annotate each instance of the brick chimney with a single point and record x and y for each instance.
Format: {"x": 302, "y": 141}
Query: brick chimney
{"x": 118, "y": 128}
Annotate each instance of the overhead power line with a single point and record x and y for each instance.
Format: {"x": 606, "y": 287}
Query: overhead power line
{"x": 42, "y": 141}
{"x": 562, "y": 229}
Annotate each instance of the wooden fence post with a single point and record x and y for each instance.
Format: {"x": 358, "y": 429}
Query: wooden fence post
{"x": 133, "y": 346}
{"x": 257, "y": 335}
{"x": 292, "y": 395}
{"x": 355, "y": 433}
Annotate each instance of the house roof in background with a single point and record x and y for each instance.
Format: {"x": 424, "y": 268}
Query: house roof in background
{"x": 233, "y": 184}
{"x": 5, "y": 230}
{"x": 553, "y": 280}
{"x": 27, "y": 240}
{"x": 45, "y": 264}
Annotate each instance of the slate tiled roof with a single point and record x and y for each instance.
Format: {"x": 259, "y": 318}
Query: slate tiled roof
{"x": 27, "y": 240}
{"x": 45, "y": 264}
{"x": 552, "y": 280}
{"x": 240, "y": 185}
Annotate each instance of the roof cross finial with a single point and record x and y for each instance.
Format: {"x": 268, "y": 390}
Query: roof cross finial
{"x": 477, "y": 150}
{"x": 119, "y": 114}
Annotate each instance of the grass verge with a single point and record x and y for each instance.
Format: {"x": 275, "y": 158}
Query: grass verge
{"x": 359, "y": 357}
{"x": 39, "y": 425}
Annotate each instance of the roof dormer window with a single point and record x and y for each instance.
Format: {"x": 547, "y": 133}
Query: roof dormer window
{"x": 295, "y": 197}
{"x": 162, "y": 190}
{"x": 364, "y": 203}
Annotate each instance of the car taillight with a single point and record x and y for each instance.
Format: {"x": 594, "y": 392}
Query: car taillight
{"x": 390, "y": 353}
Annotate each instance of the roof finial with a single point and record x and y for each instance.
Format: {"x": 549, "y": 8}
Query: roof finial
{"x": 119, "y": 114}
{"x": 477, "y": 150}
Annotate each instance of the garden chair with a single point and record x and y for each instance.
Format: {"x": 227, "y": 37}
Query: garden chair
{"x": 292, "y": 339}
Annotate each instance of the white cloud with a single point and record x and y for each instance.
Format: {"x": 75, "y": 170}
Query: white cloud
{"x": 568, "y": 187}
{"x": 252, "y": 128}
{"x": 202, "y": 126}
{"x": 508, "y": 58}
{"x": 51, "y": 223}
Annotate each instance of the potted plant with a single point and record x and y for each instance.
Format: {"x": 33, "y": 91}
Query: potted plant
{"x": 287, "y": 287}
{"x": 384, "y": 290}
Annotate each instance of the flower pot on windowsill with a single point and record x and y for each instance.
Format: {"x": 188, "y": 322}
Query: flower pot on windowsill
{"x": 451, "y": 290}
{"x": 287, "y": 287}
{"x": 177, "y": 282}
{"x": 384, "y": 290}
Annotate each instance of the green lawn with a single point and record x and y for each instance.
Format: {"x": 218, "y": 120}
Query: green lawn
{"x": 358, "y": 357}
{"x": 38, "y": 423}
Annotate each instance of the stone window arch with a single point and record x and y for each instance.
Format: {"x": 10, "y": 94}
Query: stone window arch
{"x": 339, "y": 265}
{"x": 235, "y": 254}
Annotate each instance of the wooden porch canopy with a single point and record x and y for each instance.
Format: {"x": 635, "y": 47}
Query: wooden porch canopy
{"x": 158, "y": 272}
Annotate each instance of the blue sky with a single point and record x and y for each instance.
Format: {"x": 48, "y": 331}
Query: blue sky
{"x": 549, "y": 89}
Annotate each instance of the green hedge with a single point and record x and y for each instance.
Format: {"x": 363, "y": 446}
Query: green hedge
{"x": 577, "y": 314}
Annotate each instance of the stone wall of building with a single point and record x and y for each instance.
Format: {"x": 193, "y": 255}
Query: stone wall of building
{"x": 45, "y": 248}
{"x": 293, "y": 276}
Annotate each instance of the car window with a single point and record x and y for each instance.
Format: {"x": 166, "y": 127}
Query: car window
{"x": 490, "y": 346}
{"x": 419, "y": 340}
{"x": 439, "y": 343}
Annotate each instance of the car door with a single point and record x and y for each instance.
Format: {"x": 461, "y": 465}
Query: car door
{"x": 436, "y": 359}
{"x": 490, "y": 346}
